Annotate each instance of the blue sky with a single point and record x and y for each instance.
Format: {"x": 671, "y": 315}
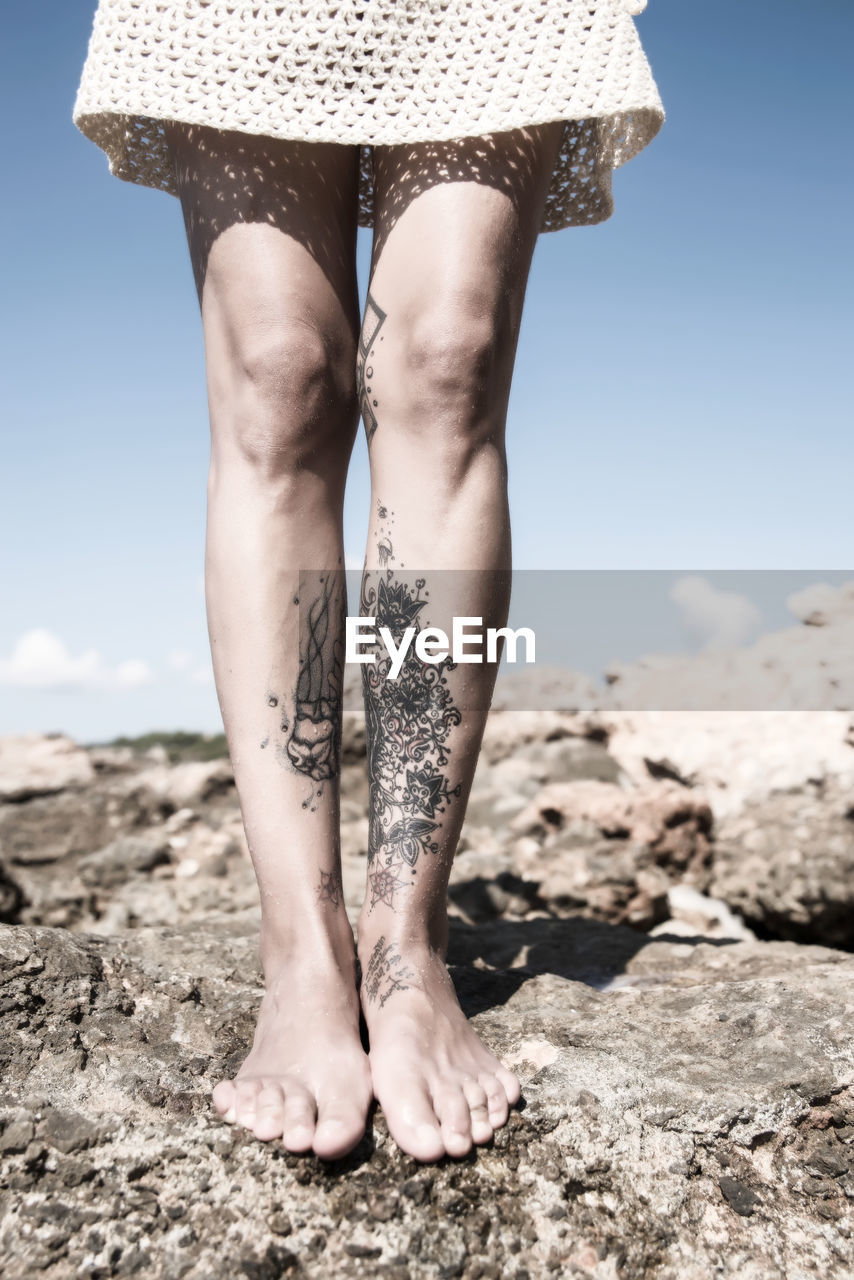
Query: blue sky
{"x": 682, "y": 395}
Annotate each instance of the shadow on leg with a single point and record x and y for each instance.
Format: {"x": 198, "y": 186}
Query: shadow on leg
{"x": 456, "y": 230}
{"x": 271, "y": 230}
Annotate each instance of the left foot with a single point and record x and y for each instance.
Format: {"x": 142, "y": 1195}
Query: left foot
{"x": 440, "y": 1088}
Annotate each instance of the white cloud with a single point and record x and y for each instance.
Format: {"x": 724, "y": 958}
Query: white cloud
{"x": 179, "y": 660}
{"x": 40, "y": 660}
{"x": 133, "y": 674}
{"x": 717, "y": 619}
{"x": 821, "y": 603}
{"x": 188, "y": 665}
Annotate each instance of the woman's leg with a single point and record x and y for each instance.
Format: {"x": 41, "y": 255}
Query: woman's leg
{"x": 457, "y": 224}
{"x": 272, "y": 230}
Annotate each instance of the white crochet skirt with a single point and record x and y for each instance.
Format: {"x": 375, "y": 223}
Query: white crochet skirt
{"x": 371, "y": 73}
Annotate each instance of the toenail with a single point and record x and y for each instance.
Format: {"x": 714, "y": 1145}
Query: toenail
{"x": 230, "y": 1116}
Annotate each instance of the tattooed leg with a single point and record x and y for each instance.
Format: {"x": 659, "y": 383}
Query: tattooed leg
{"x": 279, "y": 309}
{"x": 455, "y": 229}
{"x": 304, "y": 924}
{"x": 440, "y": 1087}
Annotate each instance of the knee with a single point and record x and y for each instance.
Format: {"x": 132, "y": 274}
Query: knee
{"x": 453, "y": 376}
{"x": 289, "y": 404}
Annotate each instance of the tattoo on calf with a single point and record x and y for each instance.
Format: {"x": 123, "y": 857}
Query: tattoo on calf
{"x": 385, "y": 550}
{"x": 386, "y": 973}
{"x": 407, "y": 723}
{"x": 371, "y": 325}
{"x": 310, "y": 737}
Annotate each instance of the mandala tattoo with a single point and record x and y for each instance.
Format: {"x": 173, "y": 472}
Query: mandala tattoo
{"x": 310, "y": 740}
{"x": 371, "y": 325}
{"x": 408, "y": 722}
{"x": 386, "y": 973}
{"x": 330, "y": 889}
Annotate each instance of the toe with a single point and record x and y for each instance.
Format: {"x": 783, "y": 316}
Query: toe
{"x": 496, "y": 1100}
{"x": 298, "y": 1120}
{"x": 510, "y": 1084}
{"x": 340, "y": 1125}
{"x": 223, "y": 1099}
{"x": 412, "y": 1121}
{"x": 269, "y": 1114}
{"x": 455, "y": 1117}
{"x": 478, "y": 1104}
{"x": 246, "y": 1101}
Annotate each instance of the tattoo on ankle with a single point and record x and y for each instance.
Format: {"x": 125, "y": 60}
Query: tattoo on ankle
{"x": 371, "y": 325}
{"x": 330, "y": 889}
{"x": 310, "y": 738}
{"x": 407, "y": 724}
{"x": 386, "y": 974}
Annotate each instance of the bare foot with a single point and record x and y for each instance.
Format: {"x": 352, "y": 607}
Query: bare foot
{"x": 306, "y": 1079}
{"x": 439, "y": 1086}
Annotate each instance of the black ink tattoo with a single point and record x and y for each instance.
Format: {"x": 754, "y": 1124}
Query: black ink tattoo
{"x": 314, "y": 741}
{"x": 386, "y": 974}
{"x": 310, "y": 740}
{"x": 371, "y": 325}
{"x": 407, "y": 722}
{"x": 330, "y": 889}
{"x": 385, "y": 550}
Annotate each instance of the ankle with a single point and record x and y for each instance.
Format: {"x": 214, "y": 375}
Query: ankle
{"x": 411, "y": 932}
{"x": 315, "y": 948}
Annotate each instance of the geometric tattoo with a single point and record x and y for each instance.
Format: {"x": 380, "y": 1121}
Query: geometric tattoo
{"x": 371, "y": 325}
{"x": 407, "y": 723}
{"x": 386, "y": 973}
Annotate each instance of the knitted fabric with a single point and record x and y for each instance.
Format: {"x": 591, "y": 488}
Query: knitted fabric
{"x": 370, "y": 73}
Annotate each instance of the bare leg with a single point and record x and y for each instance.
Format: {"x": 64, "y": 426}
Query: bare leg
{"x": 271, "y": 229}
{"x": 456, "y": 231}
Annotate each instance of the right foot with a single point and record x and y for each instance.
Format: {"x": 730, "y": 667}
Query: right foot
{"x": 306, "y": 1079}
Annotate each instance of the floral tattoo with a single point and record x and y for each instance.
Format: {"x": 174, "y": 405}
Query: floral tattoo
{"x": 330, "y": 889}
{"x": 408, "y": 722}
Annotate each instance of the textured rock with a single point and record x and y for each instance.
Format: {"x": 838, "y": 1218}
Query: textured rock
{"x": 688, "y": 1089}
{"x": 787, "y": 866}
{"x": 736, "y": 757}
{"x": 688, "y": 1112}
{"x": 34, "y": 765}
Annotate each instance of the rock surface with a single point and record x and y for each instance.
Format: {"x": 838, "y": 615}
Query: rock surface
{"x": 34, "y": 765}
{"x": 688, "y": 1112}
{"x": 688, "y": 1086}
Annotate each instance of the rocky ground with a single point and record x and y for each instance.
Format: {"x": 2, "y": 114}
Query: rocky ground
{"x": 653, "y": 921}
